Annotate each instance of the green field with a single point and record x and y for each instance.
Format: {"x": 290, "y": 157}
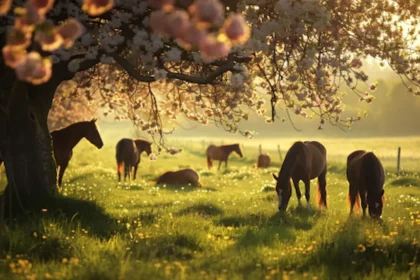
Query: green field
{"x": 228, "y": 229}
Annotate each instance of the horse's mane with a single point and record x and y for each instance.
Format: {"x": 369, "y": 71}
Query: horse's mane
{"x": 69, "y": 127}
{"x": 290, "y": 160}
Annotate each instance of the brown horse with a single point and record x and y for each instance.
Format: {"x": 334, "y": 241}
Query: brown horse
{"x": 304, "y": 161}
{"x": 182, "y": 177}
{"x": 64, "y": 140}
{"x": 366, "y": 177}
{"x": 263, "y": 161}
{"x": 128, "y": 154}
{"x": 221, "y": 153}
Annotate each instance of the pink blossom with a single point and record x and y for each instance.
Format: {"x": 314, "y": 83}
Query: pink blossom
{"x": 49, "y": 40}
{"x": 34, "y": 69}
{"x": 42, "y": 6}
{"x": 236, "y": 29}
{"x": 70, "y": 31}
{"x": 211, "y": 48}
{"x": 97, "y": 7}
{"x": 17, "y": 39}
{"x": 177, "y": 23}
{"x": 5, "y": 6}
{"x": 158, "y": 22}
{"x": 191, "y": 38}
{"x": 207, "y": 12}
{"x": 12, "y": 56}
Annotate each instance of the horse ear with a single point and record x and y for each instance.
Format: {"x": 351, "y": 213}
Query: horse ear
{"x": 93, "y": 120}
{"x": 275, "y": 177}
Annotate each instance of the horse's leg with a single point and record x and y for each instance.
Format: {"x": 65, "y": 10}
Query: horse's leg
{"x": 135, "y": 171}
{"x": 308, "y": 193}
{"x": 353, "y": 196}
{"x": 220, "y": 163}
{"x": 126, "y": 171}
{"x": 298, "y": 193}
{"x": 61, "y": 173}
{"x": 363, "y": 201}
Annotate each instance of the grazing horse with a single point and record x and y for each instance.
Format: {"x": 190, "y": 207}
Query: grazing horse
{"x": 182, "y": 177}
{"x": 263, "y": 161}
{"x": 128, "y": 154}
{"x": 221, "y": 153}
{"x": 304, "y": 161}
{"x": 366, "y": 177}
{"x": 64, "y": 140}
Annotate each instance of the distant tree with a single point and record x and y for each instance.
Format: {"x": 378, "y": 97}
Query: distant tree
{"x": 157, "y": 59}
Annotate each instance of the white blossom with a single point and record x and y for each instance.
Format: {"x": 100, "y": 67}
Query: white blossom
{"x": 73, "y": 66}
{"x": 160, "y": 74}
{"x": 107, "y": 59}
{"x": 174, "y": 54}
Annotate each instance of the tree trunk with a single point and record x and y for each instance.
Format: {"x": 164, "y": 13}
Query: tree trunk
{"x": 25, "y": 144}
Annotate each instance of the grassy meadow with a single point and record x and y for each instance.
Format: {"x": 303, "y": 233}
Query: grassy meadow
{"x": 228, "y": 229}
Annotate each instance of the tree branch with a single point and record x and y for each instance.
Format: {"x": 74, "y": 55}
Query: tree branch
{"x": 126, "y": 65}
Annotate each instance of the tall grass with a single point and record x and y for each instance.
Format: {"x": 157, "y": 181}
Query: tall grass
{"x": 229, "y": 229}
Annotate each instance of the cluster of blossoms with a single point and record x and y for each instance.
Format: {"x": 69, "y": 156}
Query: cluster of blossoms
{"x": 307, "y": 53}
{"x": 30, "y": 22}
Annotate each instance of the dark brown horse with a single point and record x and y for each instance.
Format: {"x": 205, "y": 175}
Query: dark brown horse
{"x": 366, "y": 177}
{"x": 64, "y": 140}
{"x": 263, "y": 161}
{"x": 128, "y": 155}
{"x": 303, "y": 162}
{"x": 221, "y": 153}
{"x": 182, "y": 177}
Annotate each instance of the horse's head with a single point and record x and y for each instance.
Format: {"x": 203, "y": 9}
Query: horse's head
{"x": 376, "y": 203}
{"x": 92, "y": 134}
{"x": 284, "y": 191}
{"x": 238, "y": 150}
{"x": 144, "y": 145}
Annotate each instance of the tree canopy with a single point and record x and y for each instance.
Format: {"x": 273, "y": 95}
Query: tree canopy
{"x": 213, "y": 61}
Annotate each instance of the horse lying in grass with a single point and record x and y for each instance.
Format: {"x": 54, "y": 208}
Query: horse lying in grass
{"x": 128, "y": 155}
{"x": 182, "y": 177}
{"x": 303, "y": 162}
{"x": 264, "y": 161}
{"x": 366, "y": 177}
{"x": 221, "y": 153}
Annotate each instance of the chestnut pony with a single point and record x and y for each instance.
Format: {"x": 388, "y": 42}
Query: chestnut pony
{"x": 128, "y": 152}
{"x": 303, "y": 162}
{"x": 263, "y": 161}
{"x": 366, "y": 177}
{"x": 221, "y": 153}
{"x": 64, "y": 140}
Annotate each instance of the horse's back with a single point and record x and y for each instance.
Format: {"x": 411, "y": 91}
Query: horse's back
{"x": 180, "y": 177}
{"x": 214, "y": 152}
{"x": 126, "y": 151}
{"x": 317, "y": 156}
{"x": 354, "y": 165}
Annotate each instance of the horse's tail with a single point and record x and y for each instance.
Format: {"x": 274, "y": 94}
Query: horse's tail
{"x": 119, "y": 157}
{"x": 209, "y": 161}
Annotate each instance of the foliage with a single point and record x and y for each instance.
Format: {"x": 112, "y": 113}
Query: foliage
{"x": 152, "y": 61}
{"x": 229, "y": 229}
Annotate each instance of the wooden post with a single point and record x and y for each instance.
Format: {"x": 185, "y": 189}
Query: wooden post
{"x": 281, "y": 157}
{"x": 260, "y": 149}
{"x": 399, "y": 160}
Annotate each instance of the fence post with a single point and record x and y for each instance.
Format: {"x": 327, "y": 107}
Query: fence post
{"x": 399, "y": 160}
{"x": 260, "y": 149}
{"x": 281, "y": 157}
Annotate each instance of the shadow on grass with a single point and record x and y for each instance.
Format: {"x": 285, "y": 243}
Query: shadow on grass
{"x": 349, "y": 252}
{"x": 172, "y": 247}
{"x": 406, "y": 182}
{"x": 90, "y": 215}
{"x": 206, "y": 210}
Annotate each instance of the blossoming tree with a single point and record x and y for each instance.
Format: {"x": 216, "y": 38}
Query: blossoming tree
{"x": 207, "y": 60}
